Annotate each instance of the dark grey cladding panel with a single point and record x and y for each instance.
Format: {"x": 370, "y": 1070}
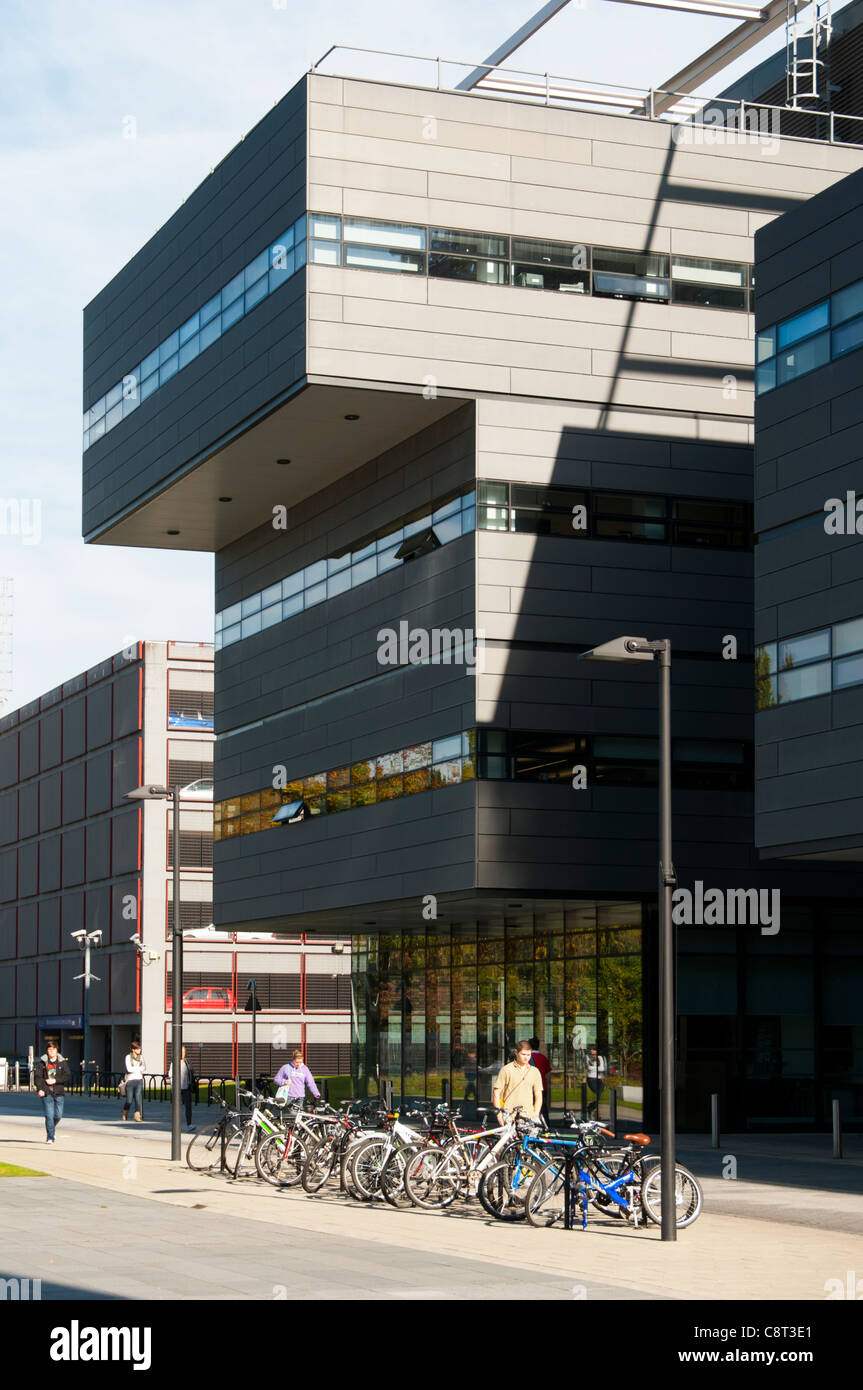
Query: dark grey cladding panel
{"x": 28, "y": 809}
{"x": 73, "y": 793}
{"x": 408, "y": 848}
{"x": 50, "y": 808}
{"x": 49, "y": 739}
{"x": 8, "y": 817}
{"x": 73, "y": 857}
{"x": 256, "y": 192}
{"x": 9, "y": 758}
{"x": 419, "y": 470}
{"x": 99, "y": 849}
{"x": 808, "y": 234}
{"x": 98, "y": 783}
{"x": 74, "y": 735}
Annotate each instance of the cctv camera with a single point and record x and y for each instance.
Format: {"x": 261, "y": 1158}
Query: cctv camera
{"x": 136, "y": 938}
{"x": 78, "y": 935}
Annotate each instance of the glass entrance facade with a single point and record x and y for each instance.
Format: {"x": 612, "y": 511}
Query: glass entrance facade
{"x": 437, "y": 1009}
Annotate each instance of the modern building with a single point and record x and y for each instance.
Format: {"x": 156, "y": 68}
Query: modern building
{"x": 77, "y": 855}
{"x": 422, "y": 364}
{"x": 808, "y": 590}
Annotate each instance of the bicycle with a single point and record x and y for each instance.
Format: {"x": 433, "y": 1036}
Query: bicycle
{"x": 334, "y": 1150}
{"x": 436, "y": 1177}
{"x": 217, "y": 1143}
{"x": 281, "y": 1157}
{"x": 503, "y": 1187}
{"x": 632, "y": 1190}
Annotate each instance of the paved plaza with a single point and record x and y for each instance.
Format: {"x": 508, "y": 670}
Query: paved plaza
{"x": 126, "y": 1222}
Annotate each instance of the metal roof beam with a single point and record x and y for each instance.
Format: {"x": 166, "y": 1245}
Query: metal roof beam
{"x": 512, "y": 43}
{"x": 726, "y": 51}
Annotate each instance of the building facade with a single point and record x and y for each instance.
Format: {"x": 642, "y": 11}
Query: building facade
{"x": 77, "y": 855}
{"x": 457, "y": 387}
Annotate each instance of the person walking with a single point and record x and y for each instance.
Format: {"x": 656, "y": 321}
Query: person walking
{"x": 543, "y": 1066}
{"x": 187, "y": 1081}
{"x": 595, "y": 1077}
{"x": 134, "y": 1079}
{"x": 51, "y": 1075}
{"x": 518, "y": 1084}
{"x": 295, "y": 1077}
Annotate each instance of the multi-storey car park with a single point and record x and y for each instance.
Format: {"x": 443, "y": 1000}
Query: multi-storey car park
{"x": 440, "y": 362}
{"x": 76, "y": 855}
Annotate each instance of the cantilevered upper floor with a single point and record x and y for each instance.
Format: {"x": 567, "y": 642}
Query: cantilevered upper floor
{"x": 429, "y": 247}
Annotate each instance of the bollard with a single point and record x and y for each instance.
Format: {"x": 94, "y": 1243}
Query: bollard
{"x": 837, "y": 1131}
{"x": 612, "y": 1110}
{"x": 17, "y": 1076}
{"x": 584, "y": 1100}
{"x": 714, "y": 1120}
{"x": 444, "y": 1090}
{"x": 325, "y": 1090}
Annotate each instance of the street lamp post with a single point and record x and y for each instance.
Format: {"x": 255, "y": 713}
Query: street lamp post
{"x": 156, "y": 793}
{"x": 639, "y": 649}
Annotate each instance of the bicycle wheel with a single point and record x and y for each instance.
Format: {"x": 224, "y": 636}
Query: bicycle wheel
{"x": 319, "y": 1165}
{"x": 687, "y": 1197}
{"x": 204, "y": 1154}
{"x": 503, "y": 1189}
{"x": 433, "y": 1179}
{"x": 393, "y": 1175}
{"x": 545, "y": 1201}
{"x": 280, "y": 1160}
{"x": 365, "y": 1166}
{"x": 242, "y": 1152}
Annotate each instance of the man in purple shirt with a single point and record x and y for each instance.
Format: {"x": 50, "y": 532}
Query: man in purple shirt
{"x": 296, "y": 1076}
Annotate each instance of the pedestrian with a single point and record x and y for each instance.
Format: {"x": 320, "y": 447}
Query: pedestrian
{"x": 133, "y": 1082}
{"x": 293, "y": 1078}
{"x": 51, "y": 1075}
{"x": 518, "y": 1084}
{"x": 187, "y": 1081}
{"x": 543, "y": 1066}
{"x": 595, "y": 1077}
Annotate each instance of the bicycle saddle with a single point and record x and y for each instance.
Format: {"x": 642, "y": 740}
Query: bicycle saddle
{"x": 641, "y": 1139}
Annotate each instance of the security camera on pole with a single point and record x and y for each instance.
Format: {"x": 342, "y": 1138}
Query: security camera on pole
{"x": 85, "y": 940}
{"x": 157, "y": 793}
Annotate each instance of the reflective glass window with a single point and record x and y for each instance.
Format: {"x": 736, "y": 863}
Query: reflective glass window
{"x": 847, "y": 671}
{"x": 271, "y": 614}
{"x": 765, "y": 376}
{"x": 232, "y": 614}
{"x": 316, "y": 594}
{"x": 189, "y": 351}
{"x": 534, "y": 277}
{"x": 168, "y": 348}
{"x": 629, "y": 287}
{"x": 114, "y": 416}
{"x": 251, "y": 625}
{"x": 708, "y": 296}
{"x": 257, "y": 292}
{"x": 150, "y": 363}
{"x": 252, "y": 604}
{"x": 292, "y": 605}
{"x": 233, "y": 289}
{"x": 393, "y": 234}
{"x": 114, "y": 396}
{"x": 848, "y": 637}
{"x": 189, "y": 328}
{"x": 338, "y": 583}
{"x": 233, "y": 312}
{"x": 847, "y": 303}
{"x": 365, "y": 570}
{"x": 315, "y": 572}
{"x": 169, "y": 368}
{"x": 324, "y": 253}
{"x": 699, "y": 271}
{"x": 547, "y": 253}
{"x": 322, "y": 225}
{"x": 639, "y": 263}
{"x": 256, "y": 268}
{"x": 848, "y": 338}
{"x": 805, "y": 683}
{"x": 765, "y": 344}
{"x": 281, "y": 272}
{"x": 379, "y": 258}
{"x": 271, "y": 595}
{"x": 802, "y": 325}
{"x": 210, "y": 332}
{"x": 293, "y": 584}
{"x": 211, "y": 308}
{"x": 804, "y": 358}
{"x": 814, "y": 646}
{"x": 463, "y": 268}
{"x": 468, "y": 243}
{"x": 149, "y": 385}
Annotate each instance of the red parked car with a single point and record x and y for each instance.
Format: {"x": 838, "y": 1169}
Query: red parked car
{"x": 209, "y": 997}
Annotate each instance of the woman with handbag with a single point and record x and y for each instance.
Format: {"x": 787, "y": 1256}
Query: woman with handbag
{"x": 132, "y": 1086}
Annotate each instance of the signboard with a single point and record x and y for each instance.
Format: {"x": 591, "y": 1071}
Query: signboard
{"x": 60, "y": 1021}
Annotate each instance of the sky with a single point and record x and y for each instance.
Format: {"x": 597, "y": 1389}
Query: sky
{"x": 78, "y": 197}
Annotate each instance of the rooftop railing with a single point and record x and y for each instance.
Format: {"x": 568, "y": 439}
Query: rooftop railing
{"x": 720, "y": 117}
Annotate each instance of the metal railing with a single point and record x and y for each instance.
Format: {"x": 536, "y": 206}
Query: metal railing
{"x": 728, "y": 119}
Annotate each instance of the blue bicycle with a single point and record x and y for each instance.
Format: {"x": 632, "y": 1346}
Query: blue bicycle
{"x": 628, "y": 1184}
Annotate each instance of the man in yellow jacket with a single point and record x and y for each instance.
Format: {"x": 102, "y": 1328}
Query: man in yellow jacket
{"x": 518, "y": 1084}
